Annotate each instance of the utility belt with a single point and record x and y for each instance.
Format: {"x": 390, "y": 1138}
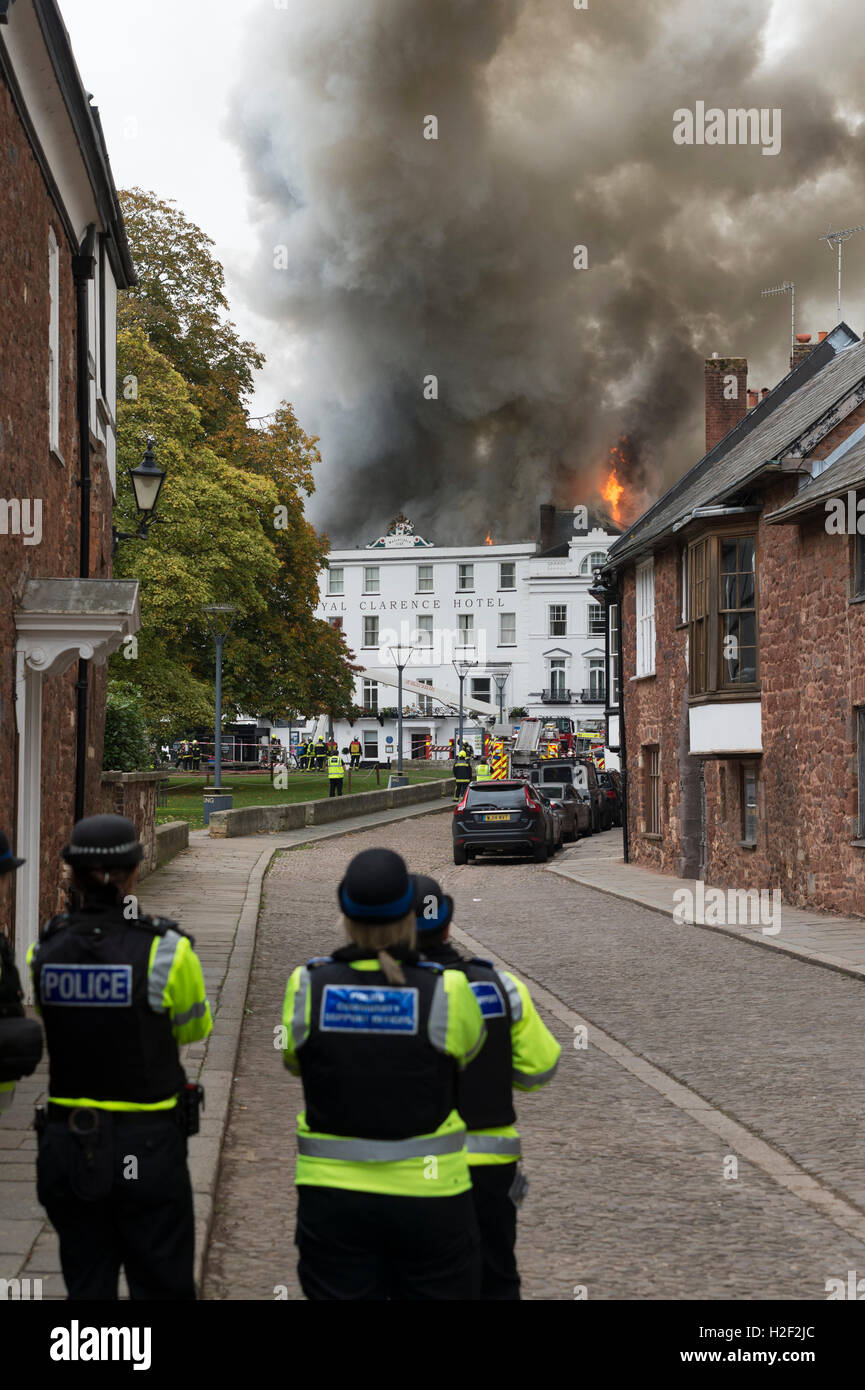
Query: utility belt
{"x": 83, "y": 1120}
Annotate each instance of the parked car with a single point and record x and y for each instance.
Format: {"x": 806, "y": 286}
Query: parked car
{"x": 611, "y": 787}
{"x": 497, "y": 817}
{"x": 558, "y": 815}
{"x": 576, "y": 811}
{"x": 583, "y": 776}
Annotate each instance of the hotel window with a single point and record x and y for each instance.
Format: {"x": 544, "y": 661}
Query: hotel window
{"x": 370, "y": 743}
{"x": 370, "y": 696}
{"x": 336, "y": 581}
{"x": 722, "y": 614}
{"x": 748, "y": 802}
{"x": 652, "y": 788}
{"x": 424, "y": 579}
{"x": 595, "y": 627}
{"x": 558, "y": 689}
{"x": 465, "y": 577}
{"x": 424, "y": 702}
{"x": 614, "y": 653}
{"x": 53, "y": 342}
{"x": 481, "y": 688}
{"x": 646, "y": 618}
{"x": 507, "y": 575}
{"x": 507, "y": 629}
{"x": 371, "y": 579}
{"x": 424, "y": 635}
{"x": 593, "y": 562}
{"x": 465, "y": 629}
{"x": 596, "y": 678}
{"x": 370, "y": 632}
{"x": 558, "y": 619}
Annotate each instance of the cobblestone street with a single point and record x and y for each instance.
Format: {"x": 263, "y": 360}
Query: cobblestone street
{"x": 704, "y": 1054}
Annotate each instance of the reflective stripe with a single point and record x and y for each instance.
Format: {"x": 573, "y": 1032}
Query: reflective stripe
{"x": 84, "y": 1103}
{"x": 160, "y": 969}
{"x": 492, "y": 1144}
{"x": 437, "y": 1026}
{"x": 514, "y": 997}
{"x": 380, "y": 1150}
{"x": 470, "y": 1056}
{"x": 298, "y": 1017}
{"x": 538, "y": 1078}
{"x": 197, "y": 1011}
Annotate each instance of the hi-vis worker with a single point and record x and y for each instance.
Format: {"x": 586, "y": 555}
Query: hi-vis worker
{"x": 483, "y": 771}
{"x": 378, "y": 1037}
{"x": 320, "y": 753}
{"x": 520, "y": 1051}
{"x": 20, "y": 1037}
{"x": 118, "y": 993}
{"x": 335, "y": 774}
{"x": 354, "y": 750}
{"x": 462, "y": 776}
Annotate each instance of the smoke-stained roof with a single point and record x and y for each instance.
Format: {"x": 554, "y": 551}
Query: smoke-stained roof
{"x": 766, "y": 433}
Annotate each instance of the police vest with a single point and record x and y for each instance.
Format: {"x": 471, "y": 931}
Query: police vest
{"x": 484, "y": 1088}
{"x": 105, "y": 1039}
{"x": 368, "y": 1067}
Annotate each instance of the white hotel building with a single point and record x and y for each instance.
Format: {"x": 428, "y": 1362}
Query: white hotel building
{"x": 522, "y": 610}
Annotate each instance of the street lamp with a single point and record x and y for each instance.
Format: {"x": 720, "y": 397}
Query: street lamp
{"x": 401, "y": 655}
{"x": 501, "y": 680}
{"x": 220, "y": 620}
{"x": 462, "y": 669}
{"x": 147, "y": 482}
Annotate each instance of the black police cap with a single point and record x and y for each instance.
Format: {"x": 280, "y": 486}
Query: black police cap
{"x": 104, "y": 842}
{"x": 377, "y": 888}
{"x": 8, "y": 860}
{"x": 433, "y": 908}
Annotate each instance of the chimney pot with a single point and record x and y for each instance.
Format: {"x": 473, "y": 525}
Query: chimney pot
{"x": 764, "y": 392}
{"x": 752, "y": 399}
{"x": 803, "y": 337}
{"x": 821, "y": 336}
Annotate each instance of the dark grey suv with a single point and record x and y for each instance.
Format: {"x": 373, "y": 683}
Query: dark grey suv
{"x": 503, "y": 818}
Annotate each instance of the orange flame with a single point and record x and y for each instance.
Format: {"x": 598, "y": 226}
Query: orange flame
{"x": 612, "y": 492}
{"x": 488, "y": 540}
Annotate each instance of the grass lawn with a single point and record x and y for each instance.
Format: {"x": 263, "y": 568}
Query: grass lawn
{"x": 184, "y": 799}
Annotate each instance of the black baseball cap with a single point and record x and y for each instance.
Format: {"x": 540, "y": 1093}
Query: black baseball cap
{"x": 9, "y": 862}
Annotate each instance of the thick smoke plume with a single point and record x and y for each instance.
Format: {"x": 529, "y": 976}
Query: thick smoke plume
{"x": 406, "y": 257}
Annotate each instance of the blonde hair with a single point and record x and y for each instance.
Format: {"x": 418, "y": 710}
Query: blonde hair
{"x": 402, "y": 932}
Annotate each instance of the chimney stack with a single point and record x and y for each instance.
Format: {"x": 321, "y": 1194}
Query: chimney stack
{"x": 801, "y": 348}
{"x": 752, "y": 399}
{"x": 726, "y": 396}
{"x": 547, "y": 530}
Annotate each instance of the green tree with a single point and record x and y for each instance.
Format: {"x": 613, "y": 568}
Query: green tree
{"x": 127, "y": 745}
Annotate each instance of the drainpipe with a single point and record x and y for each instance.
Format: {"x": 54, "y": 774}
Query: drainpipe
{"x": 623, "y": 758}
{"x": 83, "y": 266}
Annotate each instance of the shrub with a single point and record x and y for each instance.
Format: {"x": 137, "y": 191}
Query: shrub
{"x": 127, "y": 745}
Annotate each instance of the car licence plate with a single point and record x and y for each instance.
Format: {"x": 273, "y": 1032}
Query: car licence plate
{"x": 499, "y": 816}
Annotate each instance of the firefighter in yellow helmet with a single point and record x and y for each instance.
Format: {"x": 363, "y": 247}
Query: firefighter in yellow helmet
{"x": 520, "y": 1052}
{"x": 378, "y": 1037}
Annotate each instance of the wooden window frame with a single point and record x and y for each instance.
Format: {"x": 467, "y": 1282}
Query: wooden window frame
{"x": 745, "y": 770}
{"x": 645, "y": 619}
{"x": 706, "y": 682}
{"x": 652, "y": 790}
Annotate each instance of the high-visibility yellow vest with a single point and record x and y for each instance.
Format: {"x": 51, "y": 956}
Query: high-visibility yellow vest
{"x": 483, "y": 771}
{"x": 335, "y": 769}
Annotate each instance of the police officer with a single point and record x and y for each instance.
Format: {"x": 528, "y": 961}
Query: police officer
{"x": 462, "y": 776}
{"x": 520, "y": 1051}
{"x": 378, "y": 1038}
{"x": 118, "y": 991}
{"x": 20, "y": 1037}
{"x": 335, "y": 774}
{"x": 483, "y": 771}
{"x": 354, "y": 751}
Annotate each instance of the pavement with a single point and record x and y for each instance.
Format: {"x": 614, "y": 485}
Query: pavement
{"x": 215, "y": 888}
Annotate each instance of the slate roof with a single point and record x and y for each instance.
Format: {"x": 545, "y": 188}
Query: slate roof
{"x": 846, "y": 473}
{"x": 763, "y": 436}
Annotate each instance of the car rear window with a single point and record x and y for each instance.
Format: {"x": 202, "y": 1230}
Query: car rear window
{"x": 496, "y": 796}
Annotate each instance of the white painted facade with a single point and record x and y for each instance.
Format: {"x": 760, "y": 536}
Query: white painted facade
{"x": 509, "y": 608}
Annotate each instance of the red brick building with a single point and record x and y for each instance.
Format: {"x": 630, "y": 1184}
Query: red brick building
{"x": 741, "y": 607}
{"x": 64, "y": 257}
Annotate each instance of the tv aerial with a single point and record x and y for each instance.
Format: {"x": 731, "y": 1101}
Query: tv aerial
{"x": 837, "y": 239}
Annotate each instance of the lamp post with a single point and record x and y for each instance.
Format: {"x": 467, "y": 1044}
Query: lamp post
{"x": 147, "y": 482}
{"x": 462, "y": 669}
{"x": 401, "y": 655}
{"x": 220, "y": 620}
{"x": 501, "y": 680}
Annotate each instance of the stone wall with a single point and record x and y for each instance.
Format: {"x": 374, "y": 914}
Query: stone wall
{"x": 133, "y": 794}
